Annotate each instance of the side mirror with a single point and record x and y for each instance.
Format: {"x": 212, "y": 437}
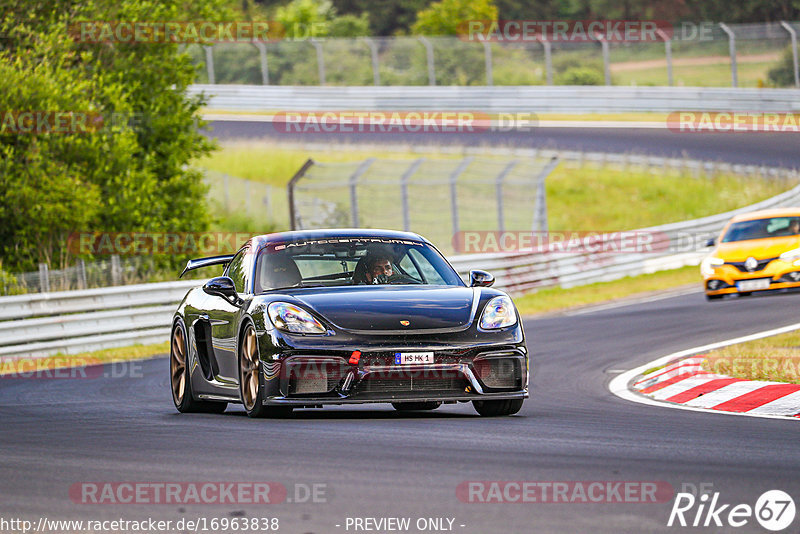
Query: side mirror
{"x": 480, "y": 279}
{"x": 221, "y": 286}
{"x": 711, "y": 242}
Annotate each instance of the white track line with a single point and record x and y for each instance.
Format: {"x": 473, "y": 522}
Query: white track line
{"x": 619, "y": 384}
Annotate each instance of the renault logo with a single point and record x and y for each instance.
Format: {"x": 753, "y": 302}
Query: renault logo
{"x": 751, "y": 264}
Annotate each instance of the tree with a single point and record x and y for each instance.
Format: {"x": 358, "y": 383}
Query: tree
{"x": 448, "y": 17}
{"x": 131, "y": 170}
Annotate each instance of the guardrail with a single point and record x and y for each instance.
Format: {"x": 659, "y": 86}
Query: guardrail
{"x": 40, "y": 324}
{"x": 504, "y": 99}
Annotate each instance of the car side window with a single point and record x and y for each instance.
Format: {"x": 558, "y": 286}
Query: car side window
{"x": 238, "y": 270}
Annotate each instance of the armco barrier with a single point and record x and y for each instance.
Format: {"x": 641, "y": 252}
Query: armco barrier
{"x": 40, "y": 324}
{"x": 510, "y": 99}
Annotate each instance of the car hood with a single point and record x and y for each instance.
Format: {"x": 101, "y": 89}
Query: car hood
{"x": 771, "y": 247}
{"x": 384, "y": 308}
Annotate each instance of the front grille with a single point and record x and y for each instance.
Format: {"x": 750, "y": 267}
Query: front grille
{"x": 395, "y": 384}
{"x": 740, "y": 265}
{"x": 314, "y": 378}
{"x": 499, "y": 372}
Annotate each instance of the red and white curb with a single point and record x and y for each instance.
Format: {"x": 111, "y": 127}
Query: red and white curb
{"x": 683, "y": 384}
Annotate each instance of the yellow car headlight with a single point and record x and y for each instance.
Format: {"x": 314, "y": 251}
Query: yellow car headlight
{"x": 791, "y": 256}
{"x": 710, "y": 263}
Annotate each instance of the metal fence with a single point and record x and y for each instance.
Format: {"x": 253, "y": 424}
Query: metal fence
{"x": 705, "y": 54}
{"x": 113, "y": 271}
{"x": 437, "y": 197}
{"x": 257, "y": 201}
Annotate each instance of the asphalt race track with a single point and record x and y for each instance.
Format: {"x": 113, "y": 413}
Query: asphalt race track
{"x": 772, "y": 149}
{"x": 375, "y": 462}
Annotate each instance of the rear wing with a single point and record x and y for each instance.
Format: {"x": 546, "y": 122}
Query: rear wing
{"x": 205, "y": 262}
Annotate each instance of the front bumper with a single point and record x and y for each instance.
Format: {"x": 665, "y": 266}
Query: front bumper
{"x": 778, "y": 275}
{"x": 305, "y": 379}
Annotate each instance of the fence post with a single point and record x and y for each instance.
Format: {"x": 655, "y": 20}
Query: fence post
{"x": 262, "y": 54}
{"x": 732, "y": 51}
{"x": 404, "y": 191}
{"x": 353, "y": 182}
{"x": 320, "y": 60}
{"x": 81, "y": 268}
{"x": 116, "y": 271}
{"x": 668, "y": 52}
{"x": 429, "y": 52}
{"x": 373, "y": 51}
{"x": 210, "y": 65}
{"x": 540, "y": 217}
{"x": 44, "y": 278}
{"x": 454, "y": 192}
{"x": 606, "y": 60}
{"x": 487, "y": 58}
{"x": 293, "y": 218}
{"x": 793, "y": 35}
{"x": 548, "y": 60}
{"x": 499, "y": 192}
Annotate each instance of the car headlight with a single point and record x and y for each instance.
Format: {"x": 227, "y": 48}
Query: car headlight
{"x": 707, "y": 265}
{"x": 498, "y": 313}
{"x": 791, "y": 255}
{"x": 291, "y": 318}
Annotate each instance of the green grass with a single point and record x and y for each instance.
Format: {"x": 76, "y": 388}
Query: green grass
{"x": 716, "y": 75}
{"x": 556, "y": 299}
{"x": 578, "y": 198}
{"x": 775, "y": 359}
{"x": 606, "y": 199}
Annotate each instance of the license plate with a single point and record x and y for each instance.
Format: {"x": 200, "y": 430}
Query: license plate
{"x": 407, "y": 358}
{"x": 753, "y": 285}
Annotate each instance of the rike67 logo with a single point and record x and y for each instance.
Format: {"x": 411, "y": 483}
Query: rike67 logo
{"x": 774, "y": 510}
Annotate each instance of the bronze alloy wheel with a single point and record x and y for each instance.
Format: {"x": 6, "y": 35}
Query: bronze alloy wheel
{"x": 177, "y": 364}
{"x": 249, "y": 368}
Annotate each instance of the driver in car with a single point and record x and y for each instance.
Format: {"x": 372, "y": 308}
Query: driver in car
{"x": 379, "y": 270}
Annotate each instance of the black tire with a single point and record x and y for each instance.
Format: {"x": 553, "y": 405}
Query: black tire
{"x": 180, "y": 379}
{"x": 251, "y": 381}
{"x": 714, "y": 297}
{"x": 415, "y": 406}
{"x": 495, "y": 408}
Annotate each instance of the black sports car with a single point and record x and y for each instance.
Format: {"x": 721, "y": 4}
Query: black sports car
{"x": 305, "y": 319}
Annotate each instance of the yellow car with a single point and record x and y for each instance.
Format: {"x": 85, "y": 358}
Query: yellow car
{"x": 757, "y": 251}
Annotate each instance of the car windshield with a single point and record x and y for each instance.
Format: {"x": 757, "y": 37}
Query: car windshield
{"x": 762, "y": 228}
{"x": 351, "y": 261}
